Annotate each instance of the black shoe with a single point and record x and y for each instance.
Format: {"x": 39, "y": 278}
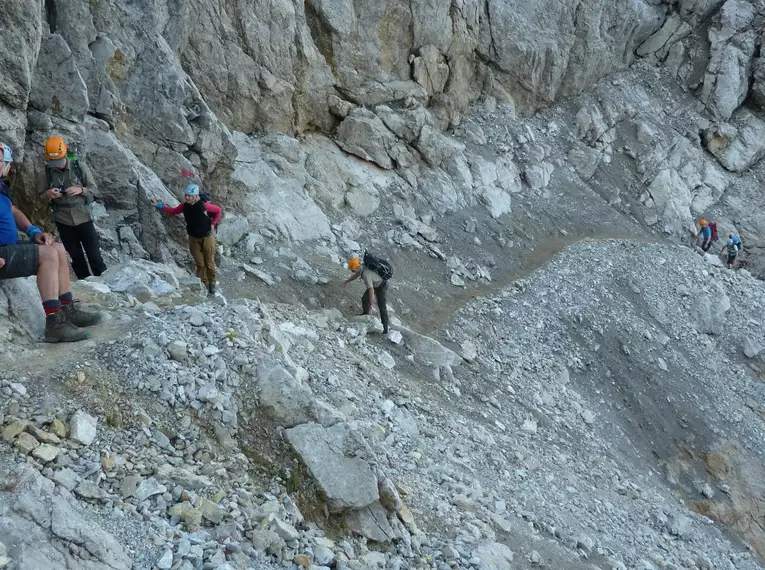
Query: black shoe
{"x": 211, "y": 289}
{"x": 59, "y": 329}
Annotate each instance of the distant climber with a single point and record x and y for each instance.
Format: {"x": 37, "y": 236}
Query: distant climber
{"x": 70, "y": 188}
{"x": 732, "y": 252}
{"x": 708, "y": 233}
{"x": 46, "y": 259}
{"x": 375, "y": 273}
{"x": 737, "y": 241}
{"x": 201, "y": 218}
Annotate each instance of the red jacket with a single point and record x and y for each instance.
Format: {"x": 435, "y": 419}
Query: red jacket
{"x": 214, "y": 211}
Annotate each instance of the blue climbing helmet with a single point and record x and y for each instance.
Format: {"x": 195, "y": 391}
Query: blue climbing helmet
{"x": 191, "y": 190}
{"x": 7, "y": 153}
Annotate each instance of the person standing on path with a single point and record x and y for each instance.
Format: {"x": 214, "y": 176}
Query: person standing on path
{"x": 376, "y": 287}
{"x": 201, "y": 218}
{"x": 70, "y": 188}
{"x": 705, "y": 233}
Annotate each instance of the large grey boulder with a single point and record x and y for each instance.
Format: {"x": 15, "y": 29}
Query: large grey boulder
{"x": 331, "y": 455}
{"x": 371, "y": 522}
{"x": 232, "y": 228}
{"x": 493, "y": 556}
{"x": 428, "y": 350}
{"x": 738, "y": 147}
{"x": 286, "y": 400}
{"x": 37, "y": 521}
{"x": 726, "y": 82}
{"x": 20, "y": 302}
{"x": 364, "y": 134}
{"x": 142, "y": 279}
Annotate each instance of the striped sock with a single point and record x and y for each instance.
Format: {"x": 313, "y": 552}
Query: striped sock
{"x": 50, "y": 307}
{"x": 66, "y": 298}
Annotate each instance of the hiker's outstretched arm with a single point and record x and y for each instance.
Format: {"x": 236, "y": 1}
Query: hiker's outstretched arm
{"x": 172, "y": 211}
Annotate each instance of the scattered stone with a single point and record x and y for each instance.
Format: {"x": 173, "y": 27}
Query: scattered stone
{"x": 752, "y": 348}
{"x": 58, "y": 428}
{"x": 46, "y": 452}
{"x": 177, "y": 350}
{"x": 166, "y": 560}
{"x": 148, "y": 488}
{"x": 26, "y": 443}
{"x": 66, "y": 478}
{"x": 82, "y": 428}
{"x": 89, "y": 490}
{"x": 12, "y": 430}
{"x": 493, "y": 556}
{"x": 284, "y": 530}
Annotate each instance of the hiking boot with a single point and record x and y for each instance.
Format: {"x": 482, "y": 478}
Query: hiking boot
{"x": 80, "y": 317}
{"x": 59, "y": 329}
{"x": 211, "y": 289}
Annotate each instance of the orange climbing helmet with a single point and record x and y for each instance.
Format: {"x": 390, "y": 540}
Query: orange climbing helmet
{"x": 702, "y": 222}
{"x": 55, "y": 148}
{"x": 354, "y": 263}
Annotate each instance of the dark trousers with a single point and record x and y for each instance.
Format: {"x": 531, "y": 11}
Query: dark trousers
{"x": 79, "y": 238}
{"x": 381, "y": 293}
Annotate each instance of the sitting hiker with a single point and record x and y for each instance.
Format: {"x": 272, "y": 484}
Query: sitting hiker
{"x": 69, "y": 186}
{"x": 375, "y": 274}
{"x": 44, "y": 258}
{"x": 201, "y": 218}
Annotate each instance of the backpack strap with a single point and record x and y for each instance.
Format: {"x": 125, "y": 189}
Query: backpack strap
{"x": 77, "y": 169}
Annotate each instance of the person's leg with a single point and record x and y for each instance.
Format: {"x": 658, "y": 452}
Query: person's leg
{"x": 381, "y": 293}
{"x": 366, "y": 306}
{"x": 89, "y": 238}
{"x": 208, "y": 250}
{"x": 63, "y": 280}
{"x": 48, "y": 277}
{"x": 71, "y": 240}
{"x": 195, "y": 247}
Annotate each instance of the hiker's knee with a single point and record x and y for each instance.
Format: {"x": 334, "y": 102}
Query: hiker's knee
{"x": 48, "y": 254}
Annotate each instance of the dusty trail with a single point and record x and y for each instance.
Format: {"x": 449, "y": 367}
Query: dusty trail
{"x": 426, "y": 318}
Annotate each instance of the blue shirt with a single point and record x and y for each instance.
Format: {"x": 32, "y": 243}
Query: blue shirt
{"x": 706, "y": 232}
{"x": 9, "y": 234}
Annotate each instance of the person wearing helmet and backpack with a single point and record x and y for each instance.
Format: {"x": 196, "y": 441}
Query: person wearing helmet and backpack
{"x": 732, "y": 252}
{"x": 39, "y": 255}
{"x": 70, "y": 188}
{"x": 201, "y": 218}
{"x": 708, "y": 233}
{"x": 375, "y": 273}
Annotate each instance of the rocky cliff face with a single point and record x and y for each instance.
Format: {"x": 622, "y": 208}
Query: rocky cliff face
{"x": 521, "y": 418}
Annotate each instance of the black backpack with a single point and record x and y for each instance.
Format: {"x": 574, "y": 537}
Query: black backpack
{"x": 379, "y": 266}
{"x": 205, "y": 196}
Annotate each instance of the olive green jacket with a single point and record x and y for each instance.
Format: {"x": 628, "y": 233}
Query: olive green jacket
{"x": 70, "y": 210}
